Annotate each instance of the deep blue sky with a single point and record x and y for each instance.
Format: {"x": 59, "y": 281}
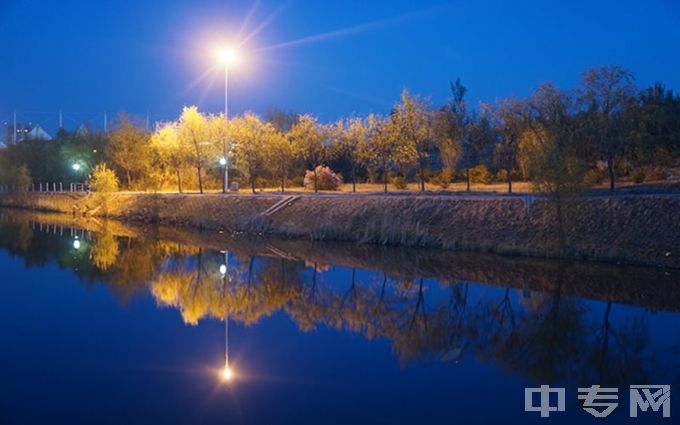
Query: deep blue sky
{"x": 89, "y": 56}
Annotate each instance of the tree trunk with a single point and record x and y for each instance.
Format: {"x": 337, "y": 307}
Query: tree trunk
{"x": 560, "y": 226}
{"x": 316, "y": 186}
{"x": 200, "y": 180}
{"x": 252, "y": 182}
{"x": 509, "y": 182}
{"x": 179, "y": 181}
{"x": 422, "y": 175}
{"x": 283, "y": 182}
{"x": 612, "y": 174}
{"x": 129, "y": 179}
{"x": 385, "y": 178}
{"x": 468, "y": 179}
{"x": 354, "y": 178}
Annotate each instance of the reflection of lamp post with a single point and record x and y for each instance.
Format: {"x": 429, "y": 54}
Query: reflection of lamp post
{"x": 227, "y": 373}
{"x": 226, "y": 56}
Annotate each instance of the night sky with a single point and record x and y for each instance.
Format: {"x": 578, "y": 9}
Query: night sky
{"x": 328, "y": 58}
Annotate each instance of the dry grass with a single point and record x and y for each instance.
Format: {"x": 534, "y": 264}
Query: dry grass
{"x": 641, "y": 230}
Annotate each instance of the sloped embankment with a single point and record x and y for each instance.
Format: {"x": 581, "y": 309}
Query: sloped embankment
{"x": 632, "y": 229}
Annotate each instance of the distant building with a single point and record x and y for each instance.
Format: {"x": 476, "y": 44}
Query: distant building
{"x": 37, "y": 133}
{"x": 24, "y": 132}
{"x": 82, "y": 131}
{"x": 22, "y": 129}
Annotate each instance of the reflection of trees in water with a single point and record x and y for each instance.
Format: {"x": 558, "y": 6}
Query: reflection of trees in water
{"x": 547, "y": 337}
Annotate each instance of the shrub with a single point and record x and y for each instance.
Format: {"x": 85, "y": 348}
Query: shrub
{"x": 326, "y": 179}
{"x": 296, "y": 182}
{"x": 638, "y": 175}
{"x": 399, "y": 182}
{"x": 502, "y": 176}
{"x": 442, "y": 179}
{"x": 654, "y": 174}
{"x": 516, "y": 175}
{"x": 480, "y": 174}
{"x": 104, "y": 179}
{"x": 17, "y": 177}
{"x": 594, "y": 177}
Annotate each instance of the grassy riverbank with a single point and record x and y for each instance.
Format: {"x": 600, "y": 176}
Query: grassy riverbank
{"x": 629, "y": 229}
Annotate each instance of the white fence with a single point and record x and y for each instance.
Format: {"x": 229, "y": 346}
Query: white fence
{"x": 56, "y": 187}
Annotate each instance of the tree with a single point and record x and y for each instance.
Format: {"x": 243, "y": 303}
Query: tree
{"x": 655, "y": 119}
{"x": 480, "y": 140}
{"x": 509, "y": 116}
{"x": 194, "y": 134}
{"x": 378, "y": 148}
{"x": 413, "y": 124}
{"x": 128, "y": 149}
{"x": 309, "y": 138}
{"x": 83, "y": 147}
{"x": 282, "y": 120}
{"x": 605, "y": 94}
{"x": 18, "y": 178}
{"x": 254, "y": 141}
{"x": 456, "y": 147}
{"x": 448, "y": 145}
{"x": 557, "y": 170}
{"x": 171, "y": 152}
{"x": 281, "y": 156}
{"x": 104, "y": 179}
{"x": 219, "y": 134}
{"x": 349, "y": 136}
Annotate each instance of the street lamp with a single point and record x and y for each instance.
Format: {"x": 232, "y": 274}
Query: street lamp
{"x": 226, "y": 56}
{"x": 76, "y": 167}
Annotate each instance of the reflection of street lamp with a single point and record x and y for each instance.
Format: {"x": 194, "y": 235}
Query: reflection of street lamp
{"x": 227, "y": 373}
{"x": 226, "y": 56}
{"x": 76, "y": 167}
{"x": 76, "y": 243}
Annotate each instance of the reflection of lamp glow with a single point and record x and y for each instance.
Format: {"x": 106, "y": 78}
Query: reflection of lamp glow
{"x": 76, "y": 167}
{"x": 76, "y": 244}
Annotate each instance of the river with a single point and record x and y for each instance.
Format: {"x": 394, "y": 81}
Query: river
{"x": 103, "y": 322}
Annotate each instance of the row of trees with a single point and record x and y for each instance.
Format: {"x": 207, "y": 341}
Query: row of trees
{"x": 559, "y": 140}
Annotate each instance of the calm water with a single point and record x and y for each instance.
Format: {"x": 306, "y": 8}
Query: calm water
{"x": 107, "y": 324}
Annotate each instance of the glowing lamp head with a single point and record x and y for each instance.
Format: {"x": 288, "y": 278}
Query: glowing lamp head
{"x": 226, "y": 55}
{"x": 76, "y": 244}
{"x": 223, "y": 269}
{"x": 227, "y": 374}
{"x": 76, "y": 167}
{"x": 223, "y": 161}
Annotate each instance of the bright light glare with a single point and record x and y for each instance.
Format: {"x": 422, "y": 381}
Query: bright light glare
{"x": 227, "y": 55}
{"x": 76, "y": 244}
{"x": 223, "y": 161}
{"x": 227, "y": 374}
{"x": 223, "y": 269}
{"x": 76, "y": 167}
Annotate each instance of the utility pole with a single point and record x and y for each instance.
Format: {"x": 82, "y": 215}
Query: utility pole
{"x": 14, "y": 134}
{"x": 105, "y": 123}
{"x": 61, "y": 119}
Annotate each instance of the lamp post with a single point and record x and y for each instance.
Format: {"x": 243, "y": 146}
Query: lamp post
{"x": 227, "y": 56}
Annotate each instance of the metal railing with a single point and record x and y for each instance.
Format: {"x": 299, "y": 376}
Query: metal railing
{"x": 54, "y": 187}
